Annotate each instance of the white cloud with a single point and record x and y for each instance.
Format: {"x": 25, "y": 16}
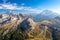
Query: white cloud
{"x": 57, "y": 10}
{"x": 8, "y": 6}
{"x": 15, "y": 7}
{"x": 1, "y": 7}
{"x": 32, "y": 10}
{"x": 23, "y": 8}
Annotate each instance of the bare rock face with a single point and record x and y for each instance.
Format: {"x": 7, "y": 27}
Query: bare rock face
{"x": 43, "y": 30}
{"x": 4, "y": 17}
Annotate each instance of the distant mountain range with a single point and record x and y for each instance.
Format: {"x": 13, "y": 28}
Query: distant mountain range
{"x": 44, "y": 15}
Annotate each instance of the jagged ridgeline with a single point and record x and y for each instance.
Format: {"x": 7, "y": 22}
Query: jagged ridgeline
{"x": 23, "y": 27}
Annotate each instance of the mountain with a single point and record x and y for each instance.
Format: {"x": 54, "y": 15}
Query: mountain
{"x": 24, "y": 27}
{"x": 4, "y": 18}
{"x": 44, "y": 15}
{"x": 54, "y": 27}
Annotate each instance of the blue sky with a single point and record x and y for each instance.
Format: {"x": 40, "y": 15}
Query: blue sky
{"x": 30, "y": 6}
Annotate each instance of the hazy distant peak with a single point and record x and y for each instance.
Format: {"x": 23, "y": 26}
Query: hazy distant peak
{"x": 47, "y": 10}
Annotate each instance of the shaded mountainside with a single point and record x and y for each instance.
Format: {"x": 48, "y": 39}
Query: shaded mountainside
{"x": 23, "y": 27}
{"x": 54, "y": 27}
